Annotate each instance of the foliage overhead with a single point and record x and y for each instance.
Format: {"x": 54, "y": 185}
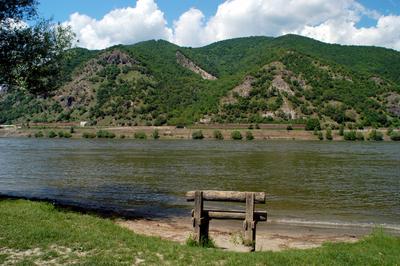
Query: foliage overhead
{"x": 32, "y": 57}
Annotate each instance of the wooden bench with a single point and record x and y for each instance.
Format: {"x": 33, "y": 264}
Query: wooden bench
{"x": 201, "y": 217}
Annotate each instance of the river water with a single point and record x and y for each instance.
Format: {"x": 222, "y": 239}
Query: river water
{"x": 305, "y": 182}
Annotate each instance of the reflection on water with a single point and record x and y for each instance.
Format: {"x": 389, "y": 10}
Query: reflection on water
{"x": 315, "y": 181}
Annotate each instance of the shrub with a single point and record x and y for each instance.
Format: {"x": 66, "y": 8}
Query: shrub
{"x": 218, "y": 135}
{"x": 103, "y": 134}
{"x": 249, "y": 135}
{"x": 312, "y": 124}
{"x": 88, "y": 135}
{"x": 375, "y": 135}
{"x": 236, "y": 135}
{"x": 360, "y": 136}
{"x": 51, "y": 134}
{"x": 395, "y": 136}
{"x": 289, "y": 127}
{"x": 72, "y": 130}
{"x": 155, "y": 134}
{"x": 328, "y": 134}
{"x": 320, "y": 135}
{"x": 341, "y": 130}
{"x": 389, "y": 131}
{"x": 122, "y": 136}
{"x": 350, "y": 135}
{"x": 197, "y": 135}
{"x": 140, "y": 135}
{"x": 39, "y": 134}
{"x": 161, "y": 120}
{"x": 67, "y": 135}
{"x": 60, "y": 134}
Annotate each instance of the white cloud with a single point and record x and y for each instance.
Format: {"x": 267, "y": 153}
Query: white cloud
{"x": 325, "y": 20}
{"x": 386, "y": 33}
{"x": 121, "y": 26}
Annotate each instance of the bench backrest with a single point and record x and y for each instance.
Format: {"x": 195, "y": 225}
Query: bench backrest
{"x": 227, "y": 196}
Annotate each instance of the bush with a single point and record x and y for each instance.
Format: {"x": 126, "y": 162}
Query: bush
{"x": 350, "y": 135}
{"x": 395, "y": 136}
{"x": 103, "y": 134}
{"x": 88, "y": 135}
{"x": 122, "y": 136}
{"x": 249, "y": 135}
{"x": 236, "y": 135}
{"x": 390, "y": 131}
{"x": 140, "y": 135}
{"x": 72, "y": 130}
{"x": 328, "y": 134}
{"x": 67, "y": 135}
{"x": 320, "y": 135}
{"x": 197, "y": 135}
{"x": 60, "y": 134}
{"x": 218, "y": 135}
{"x": 155, "y": 134}
{"x": 341, "y": 130}
{"x": 289, "y": 127}
{"x": 375, "y": 135}
{"x": 360, "y": 136}
{"x": 39, "y": 134}
{"x": 312, "y": 124}
{"x": 51, "y": 134}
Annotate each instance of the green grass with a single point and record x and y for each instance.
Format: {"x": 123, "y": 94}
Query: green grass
{"x": 40, "y": 233}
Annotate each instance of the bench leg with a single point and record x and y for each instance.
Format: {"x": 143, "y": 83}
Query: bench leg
{"x": 249, "y": 225}
{"x": 200, "y": 222}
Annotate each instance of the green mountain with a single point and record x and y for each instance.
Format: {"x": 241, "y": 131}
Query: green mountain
{"x": 244, "y": 80}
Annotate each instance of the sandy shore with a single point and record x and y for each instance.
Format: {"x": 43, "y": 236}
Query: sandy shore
{"x": 227, "y": 234}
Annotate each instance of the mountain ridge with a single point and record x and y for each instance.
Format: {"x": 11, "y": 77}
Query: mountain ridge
{"x": 286, "y": 79}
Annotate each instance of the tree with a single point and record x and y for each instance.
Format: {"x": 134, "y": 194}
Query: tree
{"x": 313, "y": 124}
{"x": 32, "y": 50}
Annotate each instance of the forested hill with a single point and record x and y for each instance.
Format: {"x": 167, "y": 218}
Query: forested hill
{"x": 245, "y": 80}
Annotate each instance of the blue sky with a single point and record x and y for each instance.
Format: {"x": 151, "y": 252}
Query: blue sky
{"x": 102, "y": 23}
{"x": 61, "y": 9}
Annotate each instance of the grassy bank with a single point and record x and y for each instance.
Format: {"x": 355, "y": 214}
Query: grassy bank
{"x": 39, "y": 233}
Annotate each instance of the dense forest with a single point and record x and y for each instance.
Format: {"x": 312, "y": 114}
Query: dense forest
{"x": 290, "y": 79}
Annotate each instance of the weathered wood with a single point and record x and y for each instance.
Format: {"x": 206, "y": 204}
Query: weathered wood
{"x": 233, "y": 196}
{"x": 250, "y": 222}
{"x": 233, "y": 215}
{"x": 200, "y": 222}
{"x": 202, "y": 217}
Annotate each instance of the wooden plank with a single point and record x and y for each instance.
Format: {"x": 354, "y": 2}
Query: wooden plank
{"x": 198, "y": 209}
{"x": 234, "y": 196}
{"x": 227, "y": 215}
{"x": 250, "y": 223}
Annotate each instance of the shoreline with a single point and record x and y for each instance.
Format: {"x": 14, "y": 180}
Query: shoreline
{"x": 276, "y": 234}
{"x": 172, "y": 133}
{"x": 271, "y": 236}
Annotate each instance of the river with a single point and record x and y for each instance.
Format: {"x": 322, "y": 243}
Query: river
{"x": 306, "y": 182}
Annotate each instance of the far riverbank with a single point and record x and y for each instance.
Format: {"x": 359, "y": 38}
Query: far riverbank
{"x": 208, "y": 132}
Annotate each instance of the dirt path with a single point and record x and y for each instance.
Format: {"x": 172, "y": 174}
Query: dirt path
{"x": 227, "y": 235}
